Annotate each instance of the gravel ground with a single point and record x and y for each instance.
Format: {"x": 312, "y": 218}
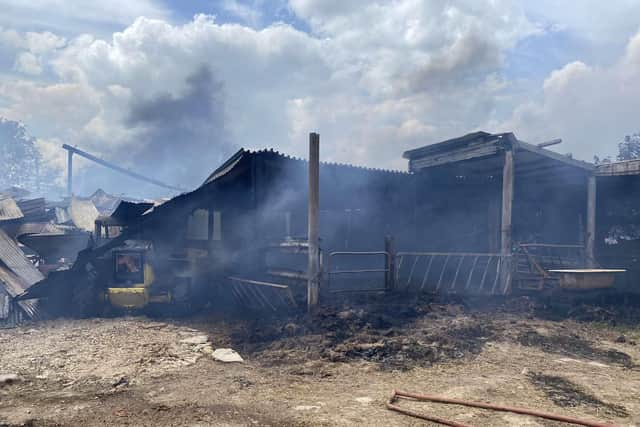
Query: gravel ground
{"x": 337, "y": 368}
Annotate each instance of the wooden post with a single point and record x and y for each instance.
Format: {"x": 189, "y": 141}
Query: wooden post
{"x": 98, "y": 230}
{"x": 313, "y": 284}
{"x": 493, "y": 214}
{"x": 591, "y": 222}
{"x": 390, "y": 276}
{"x": 505, "y": 227}
{"x": 70, "y": 173}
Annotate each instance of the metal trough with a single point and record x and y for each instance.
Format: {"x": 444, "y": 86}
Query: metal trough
{"x": 587, "y": 278}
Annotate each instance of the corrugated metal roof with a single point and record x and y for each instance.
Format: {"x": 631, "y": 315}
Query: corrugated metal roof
{"x": 482, "y": 144}
{"x": 33, "y": 210}
{"x": 130, "y": 210}
{"x": 15, "y": 192}
{"x": 62, "y": 215}
{"x": 9, "y": 209}
{"x": 17, "y": 273}
{"x": 626, "y": 167}
{"x": 104, "y": 202}
{"x": 13, "y": 286}
{"x": 83, "y": 213}
{"x": 39, "y": 228}
{"x": 12, "y": 257}
{"x": 240, "y": 154}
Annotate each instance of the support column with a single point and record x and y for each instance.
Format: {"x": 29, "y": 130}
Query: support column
{"x": 70, "y": 173}
{"x": 505, "y": 227}
{"x": 591, "y": 222}
{"x": 390, "y": 276}
{"x": 313, "y": 283}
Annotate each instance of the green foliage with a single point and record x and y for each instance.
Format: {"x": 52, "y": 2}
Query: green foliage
{"x": 630, "y": 148}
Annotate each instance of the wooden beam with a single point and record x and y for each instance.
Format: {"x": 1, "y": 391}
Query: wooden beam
{"x": 493, "y": 224}
{"x": 591, "y": 221}
{"x": 507, "y": 203}
{"x": 505, "y": 227}
{"x": 313, "y": 283}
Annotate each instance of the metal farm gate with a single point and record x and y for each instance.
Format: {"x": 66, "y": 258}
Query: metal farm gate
{"x": 415, "y": 272}
{"x": 453, "y": 272}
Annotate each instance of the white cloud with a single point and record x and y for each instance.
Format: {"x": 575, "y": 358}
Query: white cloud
{"x": 590, "y": 107}
{"x": 597, "y": 21}
{"x": 28, "y": 63}
{"x": 29, "y": 48}
{"x": 249, "y": 14}
{"x": 40, "y": 43}
{"x": 374, "y": 78}
{"x": 77, "y": 16}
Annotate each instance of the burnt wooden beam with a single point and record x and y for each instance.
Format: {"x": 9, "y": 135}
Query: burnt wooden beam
{"x": 313, "y": 282}
{"x": 591, "y": 221}
{"x": 505, "y": 227}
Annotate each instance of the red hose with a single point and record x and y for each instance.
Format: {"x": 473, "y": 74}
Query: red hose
{"x": 523, "y": 411}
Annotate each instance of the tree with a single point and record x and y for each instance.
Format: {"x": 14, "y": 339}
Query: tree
{"x": 630, "y": 148}
{"x": 20, "y": 160}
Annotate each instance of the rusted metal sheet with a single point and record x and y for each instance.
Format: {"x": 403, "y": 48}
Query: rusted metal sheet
{"x": 588, "y": 278}
{"x": 17, "y": 273}
{"x": 628, "y": 167}
{"x": 9, "y": 209}
{"x": 83, "y": 213}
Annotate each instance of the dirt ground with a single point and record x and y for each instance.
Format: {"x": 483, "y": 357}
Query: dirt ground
{"x": 337, "y": 367}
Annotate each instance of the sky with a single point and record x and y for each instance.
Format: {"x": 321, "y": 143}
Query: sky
{"x": 171, "y": 88}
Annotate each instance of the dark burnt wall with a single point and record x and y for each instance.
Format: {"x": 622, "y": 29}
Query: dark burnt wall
{"x": 358, "y": 207}
{"x": 550, "y": 210}
{"x": 457, "y": 213}
{"x": 618, "y": 226}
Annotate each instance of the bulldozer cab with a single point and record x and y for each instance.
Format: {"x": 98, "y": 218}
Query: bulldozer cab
{"x": 132, "y": 280}
{"x": 129, "y": 268}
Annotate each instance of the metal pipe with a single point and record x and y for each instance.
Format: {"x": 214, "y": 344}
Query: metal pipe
{"x": 426, "y": 273}
{"x": 372, "y": 270}
{"x": 549, "y": 143}
{"x": 513, "y": 409}
{"x": 73, "y": 150}
{"x": 257, "y": 282}
{"x": 70, "y": 173}
{"x": 447, "y": 254}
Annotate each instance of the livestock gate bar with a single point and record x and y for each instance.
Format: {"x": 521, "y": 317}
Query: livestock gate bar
{"x": 313, "y": 281}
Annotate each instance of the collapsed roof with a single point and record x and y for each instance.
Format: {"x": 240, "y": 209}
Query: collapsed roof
{"x": 476, "y": 154}
{"x": 17, "y": 273}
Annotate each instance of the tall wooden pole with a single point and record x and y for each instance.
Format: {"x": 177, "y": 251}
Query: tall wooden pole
{"x": 591, "y": 222}
{"x": 70, "y": 173}
{"x": 313, "y": 284}
{"x": 505, "y": 227}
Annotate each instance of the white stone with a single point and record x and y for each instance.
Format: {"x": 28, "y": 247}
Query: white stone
{"x": 227, "y": 355}
{"x": 306, "y": 408}
{"x": 197, "y": 339}
{"x": 9, "y": 379}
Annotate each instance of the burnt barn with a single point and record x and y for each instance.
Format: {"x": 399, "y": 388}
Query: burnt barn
{"x": 501, "y": 214}
{"x": 483, "y": 214}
